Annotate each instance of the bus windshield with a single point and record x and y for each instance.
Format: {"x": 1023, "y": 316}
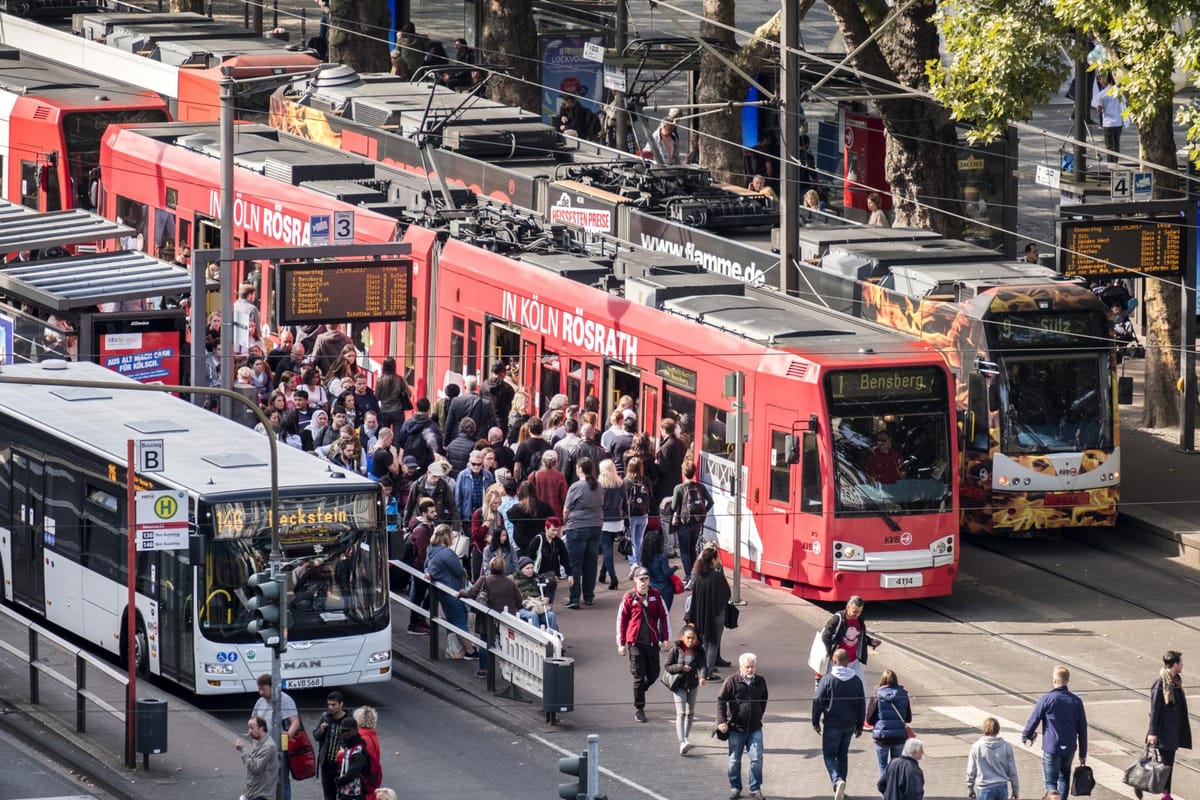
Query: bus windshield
{"x": 891, "y": 440}
{"x": 1055, "y": 404}
{"x": 335, "y": 556}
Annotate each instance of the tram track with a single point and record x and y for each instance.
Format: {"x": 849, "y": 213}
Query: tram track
{"x": 938, "y": 610}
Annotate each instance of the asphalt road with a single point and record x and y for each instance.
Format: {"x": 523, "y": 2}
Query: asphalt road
{"x": 29, "y": 774}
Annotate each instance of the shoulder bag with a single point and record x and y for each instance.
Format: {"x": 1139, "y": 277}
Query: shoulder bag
{"x": 673, "y": 680}
{"x": 301, "y": 760}
{"x": 1147, "y": 774}
{"x": 908, "y": 731}
{"x": 732, "y": 613}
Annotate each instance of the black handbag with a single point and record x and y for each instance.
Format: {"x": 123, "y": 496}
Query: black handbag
{"x": 1082, "y": 781}
{"x": 1147, "y": 774}
{"x": 731, "y": 616}
{"x": 673, "y": 680}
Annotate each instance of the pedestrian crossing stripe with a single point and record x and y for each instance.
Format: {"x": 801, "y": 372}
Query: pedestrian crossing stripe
{"x": 1106, "y": 775}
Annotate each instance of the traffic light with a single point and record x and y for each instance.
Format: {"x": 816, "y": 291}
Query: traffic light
{"x": 264, "y": 608}
{"x": 576, "y": 766}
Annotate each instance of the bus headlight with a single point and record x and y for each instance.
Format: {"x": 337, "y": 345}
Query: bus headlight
{"x": 381, "y": 657}
{"x": 844, "y": 551}
{"x": 218, "y": 669}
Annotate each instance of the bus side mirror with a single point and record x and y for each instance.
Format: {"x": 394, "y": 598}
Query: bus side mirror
{"x": 791, "y": 449}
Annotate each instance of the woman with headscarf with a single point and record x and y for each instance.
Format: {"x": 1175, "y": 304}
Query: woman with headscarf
{"x": 1170, "y": 728}
{"x": 320, "y": 432}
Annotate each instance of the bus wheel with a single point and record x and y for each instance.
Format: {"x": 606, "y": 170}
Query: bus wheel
{"x": 141, "y": 646}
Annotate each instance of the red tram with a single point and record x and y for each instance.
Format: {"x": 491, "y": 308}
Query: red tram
{"x": 820, "y": 388}
{"x": 51, "y": 121}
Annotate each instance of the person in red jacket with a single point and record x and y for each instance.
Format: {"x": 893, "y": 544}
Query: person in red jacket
{"x": 643, "y": 628}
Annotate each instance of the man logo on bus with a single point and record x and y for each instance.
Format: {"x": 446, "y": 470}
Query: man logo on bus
{"x": 165, "y": 507}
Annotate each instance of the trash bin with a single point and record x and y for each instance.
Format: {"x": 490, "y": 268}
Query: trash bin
{"x": 558, "y": 685}
{"x": 151, "y": 726}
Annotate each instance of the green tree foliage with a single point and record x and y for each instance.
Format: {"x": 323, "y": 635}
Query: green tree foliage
{"x": 1006, "y": 57}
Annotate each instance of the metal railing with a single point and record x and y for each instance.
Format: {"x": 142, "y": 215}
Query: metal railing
{"x": 517, "y": 650}
{"x": 83, "y": 661}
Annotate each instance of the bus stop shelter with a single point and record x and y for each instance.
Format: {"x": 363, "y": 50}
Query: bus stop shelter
{"x": 56, "y": 304}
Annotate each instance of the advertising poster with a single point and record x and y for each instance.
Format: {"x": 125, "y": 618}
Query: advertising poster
{"x": 565, "y": 70}
{"x": 6, "y": 340}
{"x": 151, "y": 357}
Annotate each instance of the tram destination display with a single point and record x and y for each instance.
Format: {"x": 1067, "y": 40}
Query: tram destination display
{"x": 343, "y": 291}
{"x": 1104, "y": 248}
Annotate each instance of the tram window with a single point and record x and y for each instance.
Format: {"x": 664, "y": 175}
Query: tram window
{"x": 682, "y": 409}
{"x": 133, "y": 214}
{"x": 474, "y": 329}
{"x": 810, "y": 477}
{"x": 591, "y": 382}
{"x": 458, "y": 342}
{"x": 574, "y": 381}
{"x": 29, "y": 185}
{"x": 164, "y": 235}
{"x": 781, "y": 471}
{"x": 551, "y": 379}
{"x": 714, "y": 431}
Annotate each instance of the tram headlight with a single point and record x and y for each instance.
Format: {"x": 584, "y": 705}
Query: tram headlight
{"x": 381, "y": 657}
{"x": 218, "y": 669}
{"x": 844, "y": 551}
{"x": 942, "y": 551}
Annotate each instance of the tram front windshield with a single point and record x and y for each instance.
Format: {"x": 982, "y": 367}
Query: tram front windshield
{"x": 1055, "y": 404}
{"x": 334, "y": 555}
{"x": 891, "y": 440}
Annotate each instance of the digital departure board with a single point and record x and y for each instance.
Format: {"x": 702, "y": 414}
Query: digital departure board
{"x": 1103, "y": 248}
{"x": 343, "y": 291}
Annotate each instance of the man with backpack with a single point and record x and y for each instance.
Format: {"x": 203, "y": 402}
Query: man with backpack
{"x": 354, "y": 765}
{"x": 412, "y": 553}
{"x": 469, "y": 405}
{"x": 435, "y": 486}
{"x": 690, "y": 505}
{"x": 419, "y": 436}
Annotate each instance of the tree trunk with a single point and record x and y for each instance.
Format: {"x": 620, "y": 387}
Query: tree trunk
{"x": 921, "y": 139}
{"x": 1156, "y": 140}
{"x": 509, "y": 35}
{"x": 358, "y": 34}
{"x": 178, "y": 6}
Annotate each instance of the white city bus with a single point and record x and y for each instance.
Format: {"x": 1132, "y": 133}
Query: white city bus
{"x": 63, "y": 529}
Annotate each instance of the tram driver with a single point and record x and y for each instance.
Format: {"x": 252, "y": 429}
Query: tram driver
{"x": 885, "y": 464}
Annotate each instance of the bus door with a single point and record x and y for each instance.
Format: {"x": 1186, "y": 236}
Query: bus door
{"x": 175, "y": 612}
{"x": 29, "y": 536}
{"x": 619, "y": 379}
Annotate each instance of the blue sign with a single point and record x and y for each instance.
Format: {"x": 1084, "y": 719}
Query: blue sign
{"x": 318, "y": 229}
{"x": 1143, "y": 185}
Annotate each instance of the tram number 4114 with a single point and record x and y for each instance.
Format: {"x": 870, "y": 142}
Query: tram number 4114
{"x": 907, "y": 580}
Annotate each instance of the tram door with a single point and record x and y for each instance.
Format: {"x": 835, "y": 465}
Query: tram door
{"x": 778, "y": 497}
{"x": 208, "y": 237}
{"x": 619, "y": 379}
{"x": 503, "y": 344}
{"x": 29, "y": 536}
